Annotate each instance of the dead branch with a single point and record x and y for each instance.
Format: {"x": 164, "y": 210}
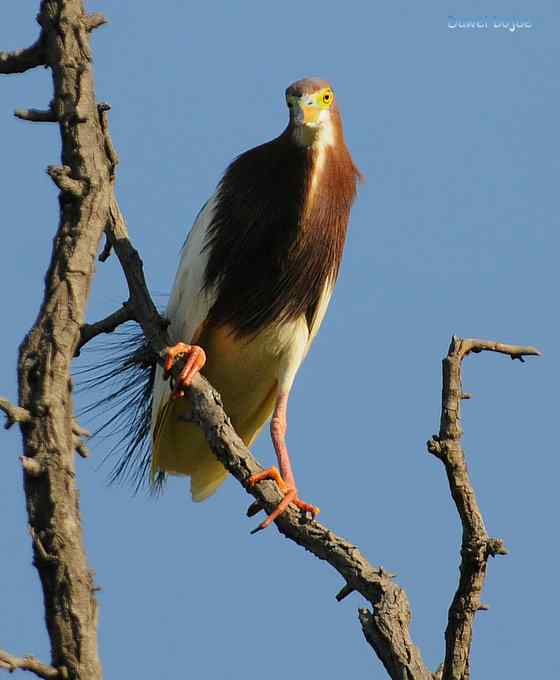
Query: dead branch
{"x": 107, "y": 325}
{"x": 50, "y": 440}
{"x": 29, "y": 663}
{"x": 61, "y": 176}
{"x": 32, "y": 466}
{"x": 36, "y": 115}
{"x": 14, "y": 414}
{"x": 477, "y": 546}
{"x": 94, "y": 20}
{"x": 390, "y": 616}
{"x": 20, "y": 61}
{"x": 475, "y": 345}
{"x": 78, "y": 433}
{"x": 106, "y": 252}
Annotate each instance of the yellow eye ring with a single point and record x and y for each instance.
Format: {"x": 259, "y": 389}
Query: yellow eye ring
{"x": 327, "y": 98}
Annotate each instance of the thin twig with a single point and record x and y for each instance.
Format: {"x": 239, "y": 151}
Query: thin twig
{"x": 475, "y": 345}
{"x": 12, "y": 663}
{"x": 32, "y": 466}
{"x": 106, "y": 252}
{"x": 477, "y": 546}
{"x": 107, "y": 325}
{"x": 14, "y": 414}
{"x": 79, "y": 431}
{"x": 94, "y": 20}
{"x": 344, "y": 592}
{"x": 103, "y": 109}
{"x": 61, "y": 176}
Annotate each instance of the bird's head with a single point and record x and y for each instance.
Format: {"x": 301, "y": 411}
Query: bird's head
{"x": 313, "y": 113}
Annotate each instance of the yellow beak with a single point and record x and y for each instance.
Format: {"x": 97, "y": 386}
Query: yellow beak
{"x": 307, "y": 114}
{"x": 310, "y": 114}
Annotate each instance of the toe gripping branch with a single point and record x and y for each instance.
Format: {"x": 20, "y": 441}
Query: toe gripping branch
{"x": 290, "y": 496}
{"x": 195, "y": 360}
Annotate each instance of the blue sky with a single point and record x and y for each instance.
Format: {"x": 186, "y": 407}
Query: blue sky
{"x": 455, "y": 231}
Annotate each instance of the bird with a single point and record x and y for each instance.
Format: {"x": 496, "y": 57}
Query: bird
{"x": 255, "y": 277}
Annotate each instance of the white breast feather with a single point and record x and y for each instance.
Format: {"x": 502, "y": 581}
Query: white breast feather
{"x": 320, "y": 312}
{"x": 188, "y": 304}
{"x": 297, "y": 338}
{"x": 325, "y": 138}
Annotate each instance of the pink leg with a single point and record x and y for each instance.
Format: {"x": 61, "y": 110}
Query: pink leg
{"x": 278, "y": 429}
{"x": 285, "y": 478}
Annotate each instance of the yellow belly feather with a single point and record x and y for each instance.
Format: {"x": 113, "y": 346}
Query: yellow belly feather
{"x": 245, "y": 374}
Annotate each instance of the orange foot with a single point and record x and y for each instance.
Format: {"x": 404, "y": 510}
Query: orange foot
{"x": 290, "y": 496}
{"x": 196, "y": 358}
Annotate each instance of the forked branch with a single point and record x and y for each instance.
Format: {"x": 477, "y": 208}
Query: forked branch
{"x": 477, "y": 546}
{"x": 107, "y": 325}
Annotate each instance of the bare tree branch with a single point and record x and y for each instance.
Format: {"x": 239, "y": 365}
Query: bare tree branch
{"x": 475, "y": 345}
{"x": 28, "y": 663}
{"x": 32, "y": 466}
{"x": 477, "y": 546}
{"x": 14, "y": 414}
{"x": 61, "y": 176}
{"x": 107, "y": 325}
{"x": 36, "y": 115}
{"x": 77, "y": 433}
{"x": 106, "y": 252}
{"x": 390, "y": 618}
{"x": 20, "y": 61}
{"x": 50, "y": 437}
{"x": 103, "y": 109}
{"x": 95, "y": 20}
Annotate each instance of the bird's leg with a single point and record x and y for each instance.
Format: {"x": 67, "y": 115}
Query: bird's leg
{"x": 278, "y": 429}
{"x": 285, "y": 478}
{"x": 196, "y": 358}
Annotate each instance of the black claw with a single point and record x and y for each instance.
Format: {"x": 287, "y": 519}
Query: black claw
{"x": 254, "y": 508}
{"x": 254, "y": 531}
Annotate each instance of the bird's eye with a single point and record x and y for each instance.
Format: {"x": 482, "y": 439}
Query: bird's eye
{"x": 327, "y": 98}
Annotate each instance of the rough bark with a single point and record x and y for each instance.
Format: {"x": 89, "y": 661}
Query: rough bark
{"x": 29, "y": 663}
{"x": 20, "y": 61}
{"x": 45, "y": 391}
{"x": 476, "y": 546}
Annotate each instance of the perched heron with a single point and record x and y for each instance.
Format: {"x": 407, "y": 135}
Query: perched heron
{"x": 254, "y": 281}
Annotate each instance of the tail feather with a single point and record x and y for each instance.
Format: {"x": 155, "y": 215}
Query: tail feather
{"x": 125, "y": 378}
{"x": 206, "y": 479}
{"x": 180, "y": 447}
{"x": 145, "y": 447}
